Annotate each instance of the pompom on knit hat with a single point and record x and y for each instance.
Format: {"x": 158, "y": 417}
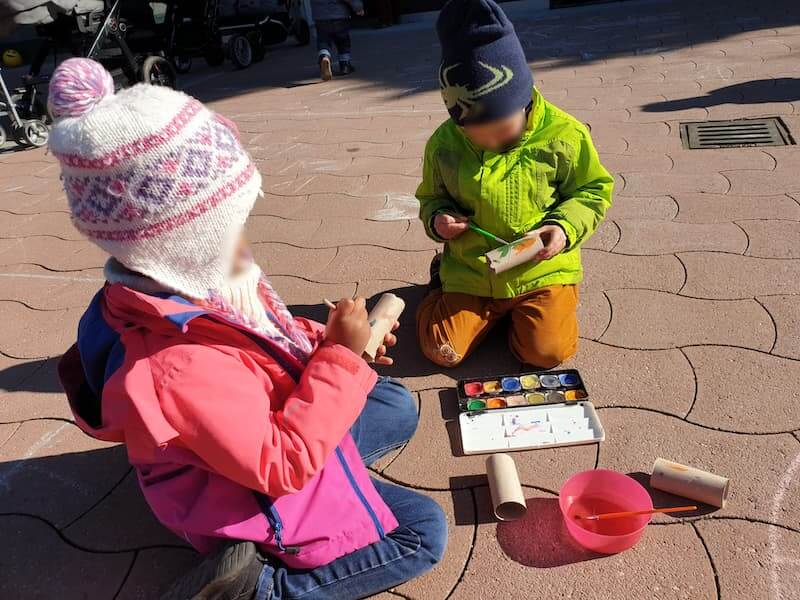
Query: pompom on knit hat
{"x": 152, "y": 176}
{"x": 483, "y": 74}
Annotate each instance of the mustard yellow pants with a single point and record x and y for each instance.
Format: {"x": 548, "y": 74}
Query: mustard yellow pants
{"x": 543, "y": 331}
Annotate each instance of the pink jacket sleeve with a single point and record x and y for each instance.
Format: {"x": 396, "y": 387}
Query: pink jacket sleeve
{"x": 222, "y": 411}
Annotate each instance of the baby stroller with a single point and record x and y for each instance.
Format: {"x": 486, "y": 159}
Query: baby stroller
{"x": 237, "y": 29}
{"x": 129, "y": 43}
{"x": 24, "y": 110}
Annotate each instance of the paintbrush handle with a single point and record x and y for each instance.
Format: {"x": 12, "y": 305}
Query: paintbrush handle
{"x": 636, "y": 513}
{"x": 486, "y": 234}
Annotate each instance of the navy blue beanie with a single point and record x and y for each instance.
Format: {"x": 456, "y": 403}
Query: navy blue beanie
{"x": 483, "y": 74}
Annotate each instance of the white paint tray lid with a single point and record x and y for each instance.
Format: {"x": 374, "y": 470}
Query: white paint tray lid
{"x": 530, "y": 427}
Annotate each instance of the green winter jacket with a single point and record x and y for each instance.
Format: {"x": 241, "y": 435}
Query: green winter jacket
{"x": 552, "y": 175}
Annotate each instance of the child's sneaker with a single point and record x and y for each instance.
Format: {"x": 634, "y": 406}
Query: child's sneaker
{"x": 325, "y": 68}
{"x": 231, "y": 573}
{"x": 346, "y": 68}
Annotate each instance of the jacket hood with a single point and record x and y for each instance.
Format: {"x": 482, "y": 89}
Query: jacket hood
{"x": 90, "y": 371}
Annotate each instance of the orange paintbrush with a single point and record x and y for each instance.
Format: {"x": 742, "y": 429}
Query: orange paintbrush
{"x": 634, "y": 513}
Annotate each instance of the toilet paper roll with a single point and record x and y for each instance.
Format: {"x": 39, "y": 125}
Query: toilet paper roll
{"x": 509, "y": 256}
{"x": 689, "y": 482}
{"x": 508, "y": 500}
{"x": 381, "y": 319}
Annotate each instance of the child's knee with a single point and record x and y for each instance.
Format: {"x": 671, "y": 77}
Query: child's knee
{"x": 401, "y": 404}
{"x": 544, "y": 352}
{"x": 443, "y": 354}
{"x": 431, "y": 527}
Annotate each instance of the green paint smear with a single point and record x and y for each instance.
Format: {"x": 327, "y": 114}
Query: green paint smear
{"x": 476, "y": 405}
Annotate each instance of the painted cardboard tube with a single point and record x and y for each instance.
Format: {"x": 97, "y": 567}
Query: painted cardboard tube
{"x": 516, "y": 253}
{"x": 690, "y": 482}
{"x": 381, "y": 319}
{"x": 507, "y": 497}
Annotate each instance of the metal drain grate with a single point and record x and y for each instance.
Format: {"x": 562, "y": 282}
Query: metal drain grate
{"x": 740, "y": 133}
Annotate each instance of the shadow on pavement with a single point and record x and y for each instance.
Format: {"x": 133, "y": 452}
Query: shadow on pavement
{"x": 33, "y": 376}
{"x": 540, "y": 538}
{"x": 760, "y": 91}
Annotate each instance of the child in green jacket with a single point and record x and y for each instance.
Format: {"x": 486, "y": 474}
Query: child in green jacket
{"x": 513, "y": 164}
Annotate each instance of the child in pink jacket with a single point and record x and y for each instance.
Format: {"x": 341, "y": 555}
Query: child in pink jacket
{"x": 249, "y": 429}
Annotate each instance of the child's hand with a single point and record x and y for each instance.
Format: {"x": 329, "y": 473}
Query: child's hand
{"x": 388, "y": 341}
{"x": 449, "y": 227}
{"x": 553, "y": 238}
{"x": 348, "y": 325}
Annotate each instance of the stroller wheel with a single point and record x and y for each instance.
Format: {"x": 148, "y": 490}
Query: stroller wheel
{"x": 33, "y": 133}
{"x": 3, "y": 136}
{"x": 158, "y": 71}
{"x": 183, "y": 64}
{"x": 241, "y": 51}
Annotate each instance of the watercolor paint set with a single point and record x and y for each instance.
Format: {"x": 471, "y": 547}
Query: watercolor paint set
{"x": 522, "y": 412}
{"x": 534, "y": 388}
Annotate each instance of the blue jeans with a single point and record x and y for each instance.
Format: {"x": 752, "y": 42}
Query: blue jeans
{"x": 388, "y": 420}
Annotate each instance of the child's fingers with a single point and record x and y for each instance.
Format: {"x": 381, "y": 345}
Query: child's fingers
{"x": 396, "y": 325}
{"x": 390, "y": 339}
{"x": 360, "y": 306}
{"x": 384, "y": 360}
{"x": 345, "y": 306}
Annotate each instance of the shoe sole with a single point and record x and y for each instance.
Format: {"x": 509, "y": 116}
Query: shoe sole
{"x": 325, "y": 69}
{"x": 243, "y": 556}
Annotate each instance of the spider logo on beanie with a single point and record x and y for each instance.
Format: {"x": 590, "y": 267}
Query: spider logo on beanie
{"x": 466, "y": 99}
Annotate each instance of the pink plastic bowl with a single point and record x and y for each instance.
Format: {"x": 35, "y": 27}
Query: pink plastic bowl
{"x": 602, "y": 491}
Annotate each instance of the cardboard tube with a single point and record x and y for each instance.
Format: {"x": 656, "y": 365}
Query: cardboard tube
{"x": 381, "y": 319}
{"x": 689, "y": 482}
{"x": 507, "y": 498}
{"x": 509, "y": 256}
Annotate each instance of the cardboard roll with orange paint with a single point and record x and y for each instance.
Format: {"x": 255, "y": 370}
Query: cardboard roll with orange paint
{"x": 516, "y": 253}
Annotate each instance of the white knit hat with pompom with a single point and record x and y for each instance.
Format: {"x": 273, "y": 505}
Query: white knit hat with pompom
{"x": 152, "y": 176}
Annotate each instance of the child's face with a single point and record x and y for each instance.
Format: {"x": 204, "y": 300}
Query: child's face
{"x": 497, "y": 135}
{"x": 242, "y": 257}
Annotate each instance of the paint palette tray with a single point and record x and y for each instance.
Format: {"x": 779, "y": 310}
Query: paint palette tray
{"x": 538, "y": 409}
{"x": 530, "y": 427}
{"x": 528, "y": 389}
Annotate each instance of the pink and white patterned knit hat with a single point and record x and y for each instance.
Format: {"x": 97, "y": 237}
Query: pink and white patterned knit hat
{"x": 152, "y": 176}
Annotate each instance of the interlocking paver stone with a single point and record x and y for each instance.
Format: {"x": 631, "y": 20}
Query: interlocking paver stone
{"x": 718, "y": 275}
{"x": 734, "y": 385}
{"x": 37, "y": 565}
{"x": 685, "y": 321}
{"x": 608, "y": 271}
{"x": 653, "y": 208}
{"x": 153, "y": 571}
{"x": 763, "y": 562}
{"x": 658, "y": 379}
{"x": 785, "y": 311}
{"x": 725, "y": 208}
{"x": 657, "y": 237}
{"x": 772, "y": 238}
{"x": 594, "y": 314}
{"x": 52, "y": 470}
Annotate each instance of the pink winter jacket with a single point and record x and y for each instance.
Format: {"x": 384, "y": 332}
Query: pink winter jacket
{"x": 228, "y": 438}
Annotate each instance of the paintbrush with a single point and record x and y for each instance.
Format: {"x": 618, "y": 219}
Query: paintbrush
{"x": 634, "y": 513}
{"x": 486, "y": 234}
{"x": 329, "y": 304}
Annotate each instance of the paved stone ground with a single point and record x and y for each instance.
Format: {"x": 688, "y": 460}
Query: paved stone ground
{"x": 689, "y": 314}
